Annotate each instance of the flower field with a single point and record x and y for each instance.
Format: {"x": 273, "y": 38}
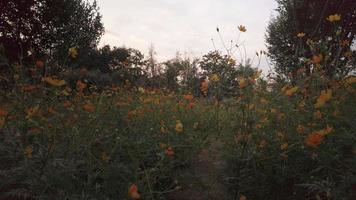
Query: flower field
{"x": 83, "y": 120}
{"x": 286, "y": 142}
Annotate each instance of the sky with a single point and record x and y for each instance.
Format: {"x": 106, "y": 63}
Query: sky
{"x": 187, "y": 26}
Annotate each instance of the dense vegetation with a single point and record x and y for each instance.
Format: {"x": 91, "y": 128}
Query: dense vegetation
{"x": 82, "y": 122}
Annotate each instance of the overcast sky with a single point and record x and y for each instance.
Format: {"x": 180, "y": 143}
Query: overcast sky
{"x": 186, "y": 26}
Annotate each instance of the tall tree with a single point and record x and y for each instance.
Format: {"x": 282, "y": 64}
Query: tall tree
{"x": 48, "y": 26}
{"x": 318, "y": 36}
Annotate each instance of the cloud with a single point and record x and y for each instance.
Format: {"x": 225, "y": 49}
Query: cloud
{"x": 185, "y": 25}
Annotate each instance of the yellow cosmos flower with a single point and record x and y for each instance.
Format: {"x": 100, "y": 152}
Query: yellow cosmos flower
{"x": 73, "y": 52}
{"x": 318, "y": 115}
{"x": 215, "y": 78}
{"x": 334, "y": 18}
{"x": 324, "y": 97}
{"x": 55, "y": 82}
{"x": 204, "y": 86}
{"x": 301, "y": 35}
{"x": 28, "y": 151}
{"x": 231, "y": 61}
{"x": 242, "y": 28}
{"x": 291, "y": 91}
{"x": 104, "y": 157}
{"x": 242, "y": 83}
{"x": 179, "y": 126}
{"x": 284, "y": 146}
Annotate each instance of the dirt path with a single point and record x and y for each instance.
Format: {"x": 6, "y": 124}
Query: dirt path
{"x": 205, "y": 180}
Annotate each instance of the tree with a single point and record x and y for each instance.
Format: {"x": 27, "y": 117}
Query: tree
{"x": 222, "y": 66}
{"x": 48, "y": 27}
{"x": 291, "y": 51}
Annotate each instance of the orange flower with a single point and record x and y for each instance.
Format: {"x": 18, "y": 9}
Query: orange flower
{"x": 3, "y": 112}
{"x": 81, "y": 86}
{"x": 67, "y": 104}
{"x": 317, "y": 59}
{"x": 40, "y": 64}
{"x": 133, "y": 192}
{"x": 29, "y": 88}
{"x": 324, "y": 97}
{"x": 89, "y": 107}
{"x": 314, "y": 140}
{"x": 190, "y": 105}
{"x": 31, "y": 112}
{"x": 188, "y": 97}
{"x": 169, "y": 151}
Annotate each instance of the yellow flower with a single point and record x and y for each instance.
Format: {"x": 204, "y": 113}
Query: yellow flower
{"x": 232, "y": 61}
{"x": 204, "y": 86}
{"x": 242, "y": 28}
{"x": 31, "y": 112}
{"x": 334, "y": 18}
{"x": 179, "y": 126}
{"x": 284, "y": 146}
{"x": 324, "y": 97}
{"x": 55, "y": 82}
{"x": 215, "y": 78}
{"x": 73, "y": 52}
{"x": 291, "y": 91}
{"x": 242, "y": 83}
{"x": 104, "y": 157}
{"x": 301, "y": 35}
{"x": 28, "y": 151}
{"x": 163, "y": 129}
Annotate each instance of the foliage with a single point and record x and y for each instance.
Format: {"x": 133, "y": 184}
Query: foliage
{"x": 48, "y": 27}
{"x": 299, "y": 25}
